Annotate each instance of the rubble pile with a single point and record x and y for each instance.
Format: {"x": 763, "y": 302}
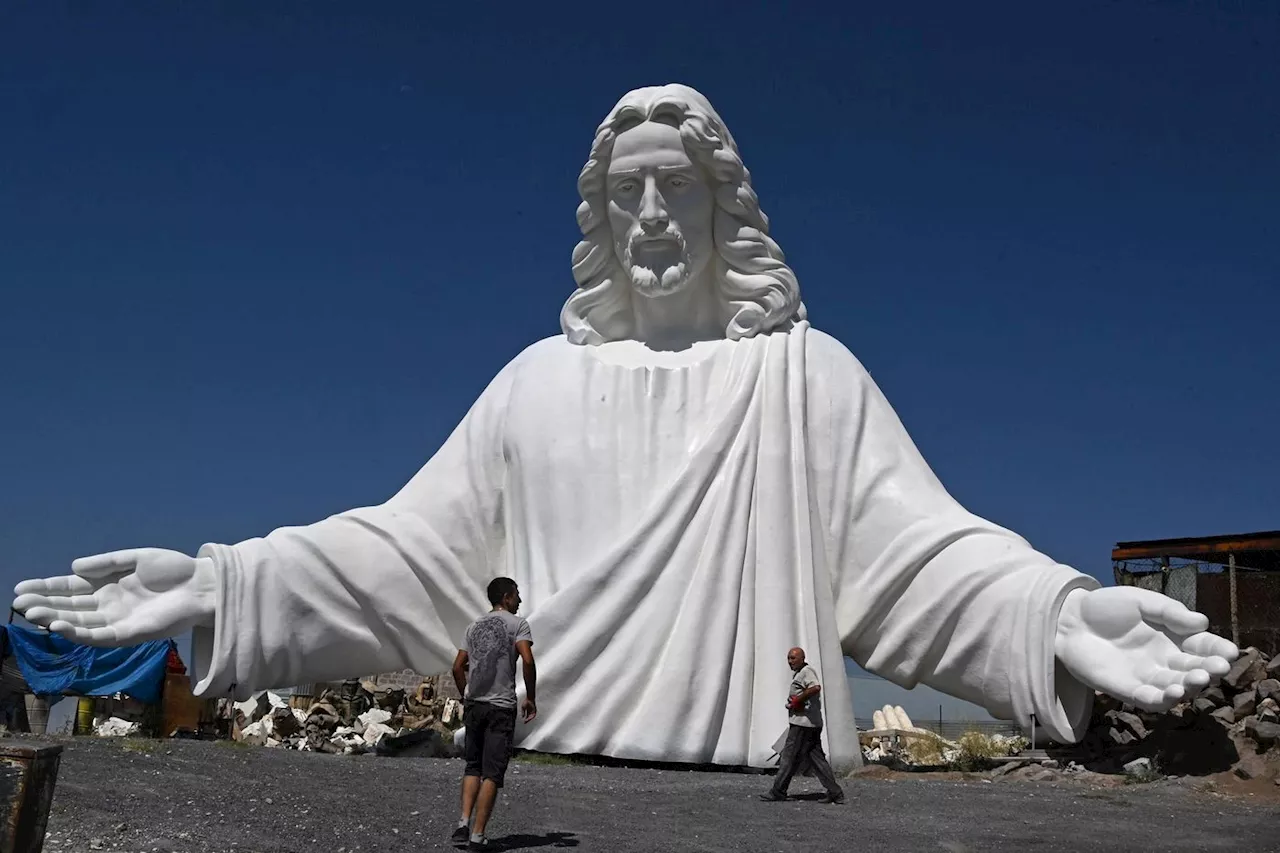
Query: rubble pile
{"x": 895, "y": 741}
{"x": 356, "y": 717}
{"x": 1233, "y": 725}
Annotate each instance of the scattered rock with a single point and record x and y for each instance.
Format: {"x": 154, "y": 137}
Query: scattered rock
{"x": 1215, "y": 695}
{"x": 1265, "y": 734}
{"x": 1139, "y": 767}
{"x": 1203, "y": 705}
{"x": 1244, "y": 703}
{"x": 353, "y": 718}
{"x": 1224, "y": 715}
{"x": 1269, "y": 688}
{"x": 1121, "y": 737}
{"x": 1128, "y": 721}
{"x": 1248, "y": 669}
{"x": 1250, "y": 767}
{"x": 1269, "y": 710}
{"x": 1008, "y": 767}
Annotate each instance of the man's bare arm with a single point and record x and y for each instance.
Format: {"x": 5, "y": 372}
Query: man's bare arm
{"x": 525, "y": 648}
{"x": 460, "y": 665}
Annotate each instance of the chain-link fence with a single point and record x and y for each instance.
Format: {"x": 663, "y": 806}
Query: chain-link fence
{"x": 1244, "y": 608}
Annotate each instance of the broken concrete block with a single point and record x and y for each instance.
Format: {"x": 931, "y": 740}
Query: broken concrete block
{"x": 1244, "y": 703}
{"x": 374, "y": 715}
{"x": 1264, "y": 734}
{"x": 1126, "y": 720}
{"x": 1138, "y": 767}
{"x": 1120, "y": 737}
{"x": 374, "y": 732}
{"x": 1246, "y": 671}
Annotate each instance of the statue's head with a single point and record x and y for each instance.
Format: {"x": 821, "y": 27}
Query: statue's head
{"x": 667, "y": 205}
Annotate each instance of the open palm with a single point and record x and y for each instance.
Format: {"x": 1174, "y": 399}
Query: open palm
{"x": 1139, "y": 646}
{"x": 123, "y": 597}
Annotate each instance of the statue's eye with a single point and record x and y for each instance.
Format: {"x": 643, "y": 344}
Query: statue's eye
{"x": 625, "y": 187}
{"x": 678, "y": 182}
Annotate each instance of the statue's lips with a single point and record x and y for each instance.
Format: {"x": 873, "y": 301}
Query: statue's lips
{"x": 655, "y": 244}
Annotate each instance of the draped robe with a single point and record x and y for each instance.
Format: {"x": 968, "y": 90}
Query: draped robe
{"x": 676, "y": 522}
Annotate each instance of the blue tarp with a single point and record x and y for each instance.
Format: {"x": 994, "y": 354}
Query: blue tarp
{"x": 54, "y": 665}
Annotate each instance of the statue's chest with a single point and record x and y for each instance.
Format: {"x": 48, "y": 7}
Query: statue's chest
{"x": 609, "y": 423}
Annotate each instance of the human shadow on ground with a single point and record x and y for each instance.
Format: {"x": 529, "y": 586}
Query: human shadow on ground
{"x": 526, "y": 842}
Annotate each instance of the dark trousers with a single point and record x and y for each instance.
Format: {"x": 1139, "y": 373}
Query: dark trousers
{"x": 804, "y": 745}
{"x": 490, "y": 734}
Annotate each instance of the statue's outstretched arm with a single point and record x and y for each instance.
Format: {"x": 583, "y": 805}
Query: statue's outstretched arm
{"x": 373, "y": 589}
{"x": 927, "y": 592}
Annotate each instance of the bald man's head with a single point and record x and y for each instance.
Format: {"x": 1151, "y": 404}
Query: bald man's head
{"x": 795, "y": 659}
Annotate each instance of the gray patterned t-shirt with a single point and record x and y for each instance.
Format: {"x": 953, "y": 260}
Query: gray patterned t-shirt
{"x": 491, "y": 649}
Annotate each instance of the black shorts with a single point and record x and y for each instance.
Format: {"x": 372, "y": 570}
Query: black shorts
{"x": 491, "y": 730}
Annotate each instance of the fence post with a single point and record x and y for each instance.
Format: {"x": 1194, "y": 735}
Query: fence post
{"x": 1235, "y": 616}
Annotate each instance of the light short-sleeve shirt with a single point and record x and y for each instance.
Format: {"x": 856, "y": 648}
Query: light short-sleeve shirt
{"x": 811, "y": 714}
{"x": 491, "y": 650}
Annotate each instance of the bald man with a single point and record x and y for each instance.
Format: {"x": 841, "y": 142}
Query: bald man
{"x": 804, "y": 736}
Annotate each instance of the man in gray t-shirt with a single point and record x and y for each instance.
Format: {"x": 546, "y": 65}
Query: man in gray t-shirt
{"x": 804, "y": 734}
{"x": 485, "y": 672}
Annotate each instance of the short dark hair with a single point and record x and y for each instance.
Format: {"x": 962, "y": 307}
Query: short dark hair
{"x": 500, "y": 588}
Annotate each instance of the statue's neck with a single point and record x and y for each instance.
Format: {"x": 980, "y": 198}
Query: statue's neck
{"x": 679, "y": 320}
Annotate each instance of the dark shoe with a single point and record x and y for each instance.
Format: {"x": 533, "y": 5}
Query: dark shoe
{"x": 771, "y": 797}
{"x": 834, "y": 799}
{"x": 461, "y": 835}
{"x": 478, "y": 845}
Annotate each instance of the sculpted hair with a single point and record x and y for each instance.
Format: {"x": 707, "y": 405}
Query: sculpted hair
{"x": 500, "y": 588}
{"x": 759, "y": 291}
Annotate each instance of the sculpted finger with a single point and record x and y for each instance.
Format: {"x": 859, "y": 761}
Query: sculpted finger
{"x": 78, "y": 619}
{"x": 1194, "y": 679}
{"x": 56, "y": 602}
{"x": 1210, "y": 645}
{"x": 1212, "y": 666}
{"x": 1150, "y": 698}
{"x": 1162, "y": 677}
{"x": 41, "y": 616}
{"x": 61, "y": 585}
{"x": 1173, "y": 615}
{"x": 105, "y": 565}
{"x": 88, "y": 636}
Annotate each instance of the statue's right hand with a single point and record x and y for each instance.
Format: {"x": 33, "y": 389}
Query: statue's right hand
{"x": 124, "y": 597}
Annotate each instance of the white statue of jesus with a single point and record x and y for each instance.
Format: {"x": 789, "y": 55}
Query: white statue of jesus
{"x": 687, "y": 482}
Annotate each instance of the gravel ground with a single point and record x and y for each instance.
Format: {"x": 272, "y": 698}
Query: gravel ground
{"x": 199, "y": 797}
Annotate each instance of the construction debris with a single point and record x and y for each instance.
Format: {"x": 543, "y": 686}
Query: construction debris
{"x": 115, "y": 727}
{"x": 353, "y": 718}
{"x": 1234, "y": 725}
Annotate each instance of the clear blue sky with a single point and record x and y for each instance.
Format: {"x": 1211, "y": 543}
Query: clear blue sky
{"x": 256, "y": 264}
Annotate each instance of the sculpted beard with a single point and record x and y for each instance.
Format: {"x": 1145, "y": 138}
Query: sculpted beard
{"x": 657, "y": 266}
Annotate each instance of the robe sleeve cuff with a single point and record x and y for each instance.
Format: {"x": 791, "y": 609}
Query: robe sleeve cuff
{"x": 213, "y": 665}
{"x": 1061, "y": 704}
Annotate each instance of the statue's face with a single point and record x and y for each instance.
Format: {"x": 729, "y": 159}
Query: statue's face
{"x": 660, "y": 209}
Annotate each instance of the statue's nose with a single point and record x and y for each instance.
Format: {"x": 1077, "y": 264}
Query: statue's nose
{"x": 653, "y": 213}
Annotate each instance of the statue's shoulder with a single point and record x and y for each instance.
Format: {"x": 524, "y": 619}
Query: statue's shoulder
{"x": 544, "y": 352}
{"x": 827, "y": 358}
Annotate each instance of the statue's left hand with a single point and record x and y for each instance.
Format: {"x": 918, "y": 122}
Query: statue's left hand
{"x": 1141, "y": 647}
